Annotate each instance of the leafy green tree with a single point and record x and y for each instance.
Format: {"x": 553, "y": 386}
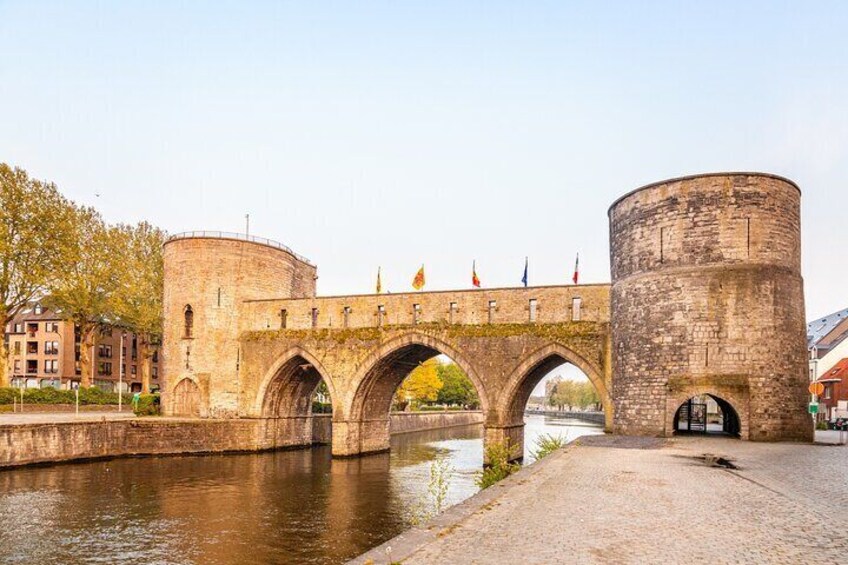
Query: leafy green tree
{"x": 36, "y": 236}
{"x": 421, "y": 386}
{"x": 85, "y": 292}
{"x": 457, "y": 389}
{"x": 137, "y": 300}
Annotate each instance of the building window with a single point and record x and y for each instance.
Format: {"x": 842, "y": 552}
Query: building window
{"x": 51, "y": 366}
{"x": 576, "y": 304}
{"x": 155, "y": 372}
{"x": 416, "y": 313}
{"x": 452, "y": 310}
{"x": 133, "y": 370}
{"x": 31, "y": 366}
{"x": 19, "y": 328}
{"x": 17, "y": 348}
{"x": 104, "y": 351}
{"x": 32, "y": 347}
{"x": 381, "y": 314}
{"x": 52, "y": 327}
{"x": 104, "y": 368}
{"x": 493, "y": 304}
{"x": 827, "y": 392}
{"x": 189, "y": 321}
{"x": 284, "y": 318}
{"x": 156, "y": 356}
{"x": 38, "y": 309}
{"x": 315, "y": 317}
{"x": 32, "y": 329}
{"x": 346, "y": 316}
{"x": 532, "y": 307}
{"x": 17, "y": 367}
{"x": 51, "y": 347}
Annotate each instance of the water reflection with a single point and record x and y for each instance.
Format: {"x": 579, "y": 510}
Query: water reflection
{"x": 281, "y": 507}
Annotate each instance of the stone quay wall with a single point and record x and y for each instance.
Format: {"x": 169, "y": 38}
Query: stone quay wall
{"x": 707, "y": 298}
{"x": 29, "y": 444}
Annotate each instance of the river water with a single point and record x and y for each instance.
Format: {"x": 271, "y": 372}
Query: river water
{"x": 279, "y": 507}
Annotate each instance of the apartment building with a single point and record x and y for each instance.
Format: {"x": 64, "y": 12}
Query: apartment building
{"x": 44, "y": 351}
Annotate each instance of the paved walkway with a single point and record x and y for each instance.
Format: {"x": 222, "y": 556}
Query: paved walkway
{"x": 785, "y": 503}
{"x": 62, "y": 417}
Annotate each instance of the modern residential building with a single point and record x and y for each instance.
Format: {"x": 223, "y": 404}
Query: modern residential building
{"x": 833, "y": 401}
{"x": 827, "y": 343}
{"x": 44, "y": 351}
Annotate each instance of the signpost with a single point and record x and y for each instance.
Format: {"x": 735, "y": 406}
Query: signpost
{"x": 816, "y": 389}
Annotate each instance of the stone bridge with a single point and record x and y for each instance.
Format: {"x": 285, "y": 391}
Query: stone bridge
{"x": 706, "y": 299}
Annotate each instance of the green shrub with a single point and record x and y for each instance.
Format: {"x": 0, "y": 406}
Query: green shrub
{"x": 499, "y": 466}
{"x": 92, "y": 395}
{"x": 547, "y": 444}
{"x": 821, "y": 425}
{"x": 321, "y": 408}
{"x": 435, "y": 408}
{"x": 147, "y": 405}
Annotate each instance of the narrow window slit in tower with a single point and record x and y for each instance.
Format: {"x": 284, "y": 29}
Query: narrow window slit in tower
{"x": 219, "y": 296}
{"x": 707, "y": 355}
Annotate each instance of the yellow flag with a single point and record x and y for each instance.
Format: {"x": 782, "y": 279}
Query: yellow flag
{"x": 418, "y": 281}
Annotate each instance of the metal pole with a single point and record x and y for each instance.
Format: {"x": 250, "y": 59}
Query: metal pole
{"x": 121, "y": 374}
{"x": 22, "y": 397}
{"x": 76, "y": 410}
{"x": 247, "y": 224}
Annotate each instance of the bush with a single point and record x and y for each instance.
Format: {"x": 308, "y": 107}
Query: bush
{"x": 821, "y": 425}
{"x": 431, "y": 408}
{"x": 547, "y": 444}
{"x": 321, "y": 408}
{"x": 499, "y": 466}
{"x": 147, "y": 405}
{"x": 92, "y": 395}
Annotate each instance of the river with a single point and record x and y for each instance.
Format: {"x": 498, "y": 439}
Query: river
{"x": 279, "y": 507}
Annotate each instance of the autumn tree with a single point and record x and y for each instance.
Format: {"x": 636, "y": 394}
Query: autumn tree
{"x": 36, "y": 236}
{"x": 85, "y": 292}
{"x": 422, "y": 385}
{"x": 137, "y": 298}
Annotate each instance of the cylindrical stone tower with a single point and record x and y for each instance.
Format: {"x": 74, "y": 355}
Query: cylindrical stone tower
{"x": 707, "y": 298}
{"x": 207, "y": 276}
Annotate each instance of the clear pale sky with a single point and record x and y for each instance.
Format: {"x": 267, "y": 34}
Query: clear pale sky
{"x": 401, "y": 133}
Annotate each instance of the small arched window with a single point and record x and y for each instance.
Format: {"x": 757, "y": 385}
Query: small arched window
{"x": 189, "y": 321}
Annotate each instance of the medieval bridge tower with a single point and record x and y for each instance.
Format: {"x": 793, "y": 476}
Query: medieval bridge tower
{"x": 706, "y": 299}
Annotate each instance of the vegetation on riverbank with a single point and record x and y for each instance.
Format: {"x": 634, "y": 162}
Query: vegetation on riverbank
{"x": 498, "y": 467}
{"x": 87, "y": 396}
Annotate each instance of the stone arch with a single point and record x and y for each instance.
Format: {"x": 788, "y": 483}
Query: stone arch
{"x": 732, "y": 402}
{"x": 533, "y": 367}
{"x": 385, "y": 368}
{"x": 286, "y": 388}
{"x": 187, "y": 400}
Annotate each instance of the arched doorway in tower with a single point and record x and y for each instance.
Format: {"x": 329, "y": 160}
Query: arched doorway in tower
{"x": 707, "y": 414}
{"x": 405, "y": 385}
{"x": 187, "y": 399}
{"x": 554, "y": 394}
{"x": 297, "y": 402}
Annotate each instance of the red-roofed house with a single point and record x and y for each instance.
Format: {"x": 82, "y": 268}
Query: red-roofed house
{"x": 834, "y": 399}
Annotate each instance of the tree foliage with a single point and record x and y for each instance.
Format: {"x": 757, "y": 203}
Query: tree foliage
{"x": 421, "y": 386}
{"x": 573, "y": 394}
{"x": 35, "y": 238}
{"x": 457, "y": 389}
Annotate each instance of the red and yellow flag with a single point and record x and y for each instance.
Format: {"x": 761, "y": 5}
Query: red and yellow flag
{"x": 475, "y": 281}
{"x": 418, "y": 281}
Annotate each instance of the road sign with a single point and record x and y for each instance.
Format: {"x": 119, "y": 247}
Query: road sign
{"x": 816, "y": 388}
{"x": 814, "y": 407}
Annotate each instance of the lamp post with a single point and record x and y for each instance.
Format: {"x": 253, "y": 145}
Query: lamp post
{"x": 121, "y": 374}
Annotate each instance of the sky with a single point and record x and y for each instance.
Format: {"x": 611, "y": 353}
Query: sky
{"x": 395, "y": 134}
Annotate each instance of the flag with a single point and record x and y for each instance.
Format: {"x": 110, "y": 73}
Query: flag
{"x": 418, "y": 281}
{"x": 524, "y": 278}
{"x": 576, "y": 269}
{"x": 379, "y": 282}
{"x": 474, "y": 280}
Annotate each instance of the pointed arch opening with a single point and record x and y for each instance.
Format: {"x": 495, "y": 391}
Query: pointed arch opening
{"x": 707, "y": 414}
{"x": 186, "y": 399}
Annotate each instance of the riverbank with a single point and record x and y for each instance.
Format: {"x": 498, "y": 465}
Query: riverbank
{"x": 607, "y": 499}
{"x": 54, "y": 438}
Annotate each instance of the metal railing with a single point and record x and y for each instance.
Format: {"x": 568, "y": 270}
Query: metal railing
{"x": 238, "y": 237}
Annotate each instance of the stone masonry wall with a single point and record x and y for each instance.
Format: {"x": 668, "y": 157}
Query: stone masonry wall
{"x": 707, "y": 297}
{"x": 214, "y": 276}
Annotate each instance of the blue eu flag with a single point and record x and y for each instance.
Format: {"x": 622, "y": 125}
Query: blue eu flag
{"x": 524, "y": 278}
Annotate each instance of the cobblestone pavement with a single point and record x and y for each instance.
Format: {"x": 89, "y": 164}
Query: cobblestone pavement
{"x": 784, "y": 504}
{"x": 62, "y": 417}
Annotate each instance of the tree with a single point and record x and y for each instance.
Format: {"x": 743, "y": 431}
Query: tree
{"x": 457, "y": 389}
{"x": 137, "y": 299}
{"x": 85, "y": 292}
{"x": 422, "y": 385}
{"x": 35, "y": 238}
